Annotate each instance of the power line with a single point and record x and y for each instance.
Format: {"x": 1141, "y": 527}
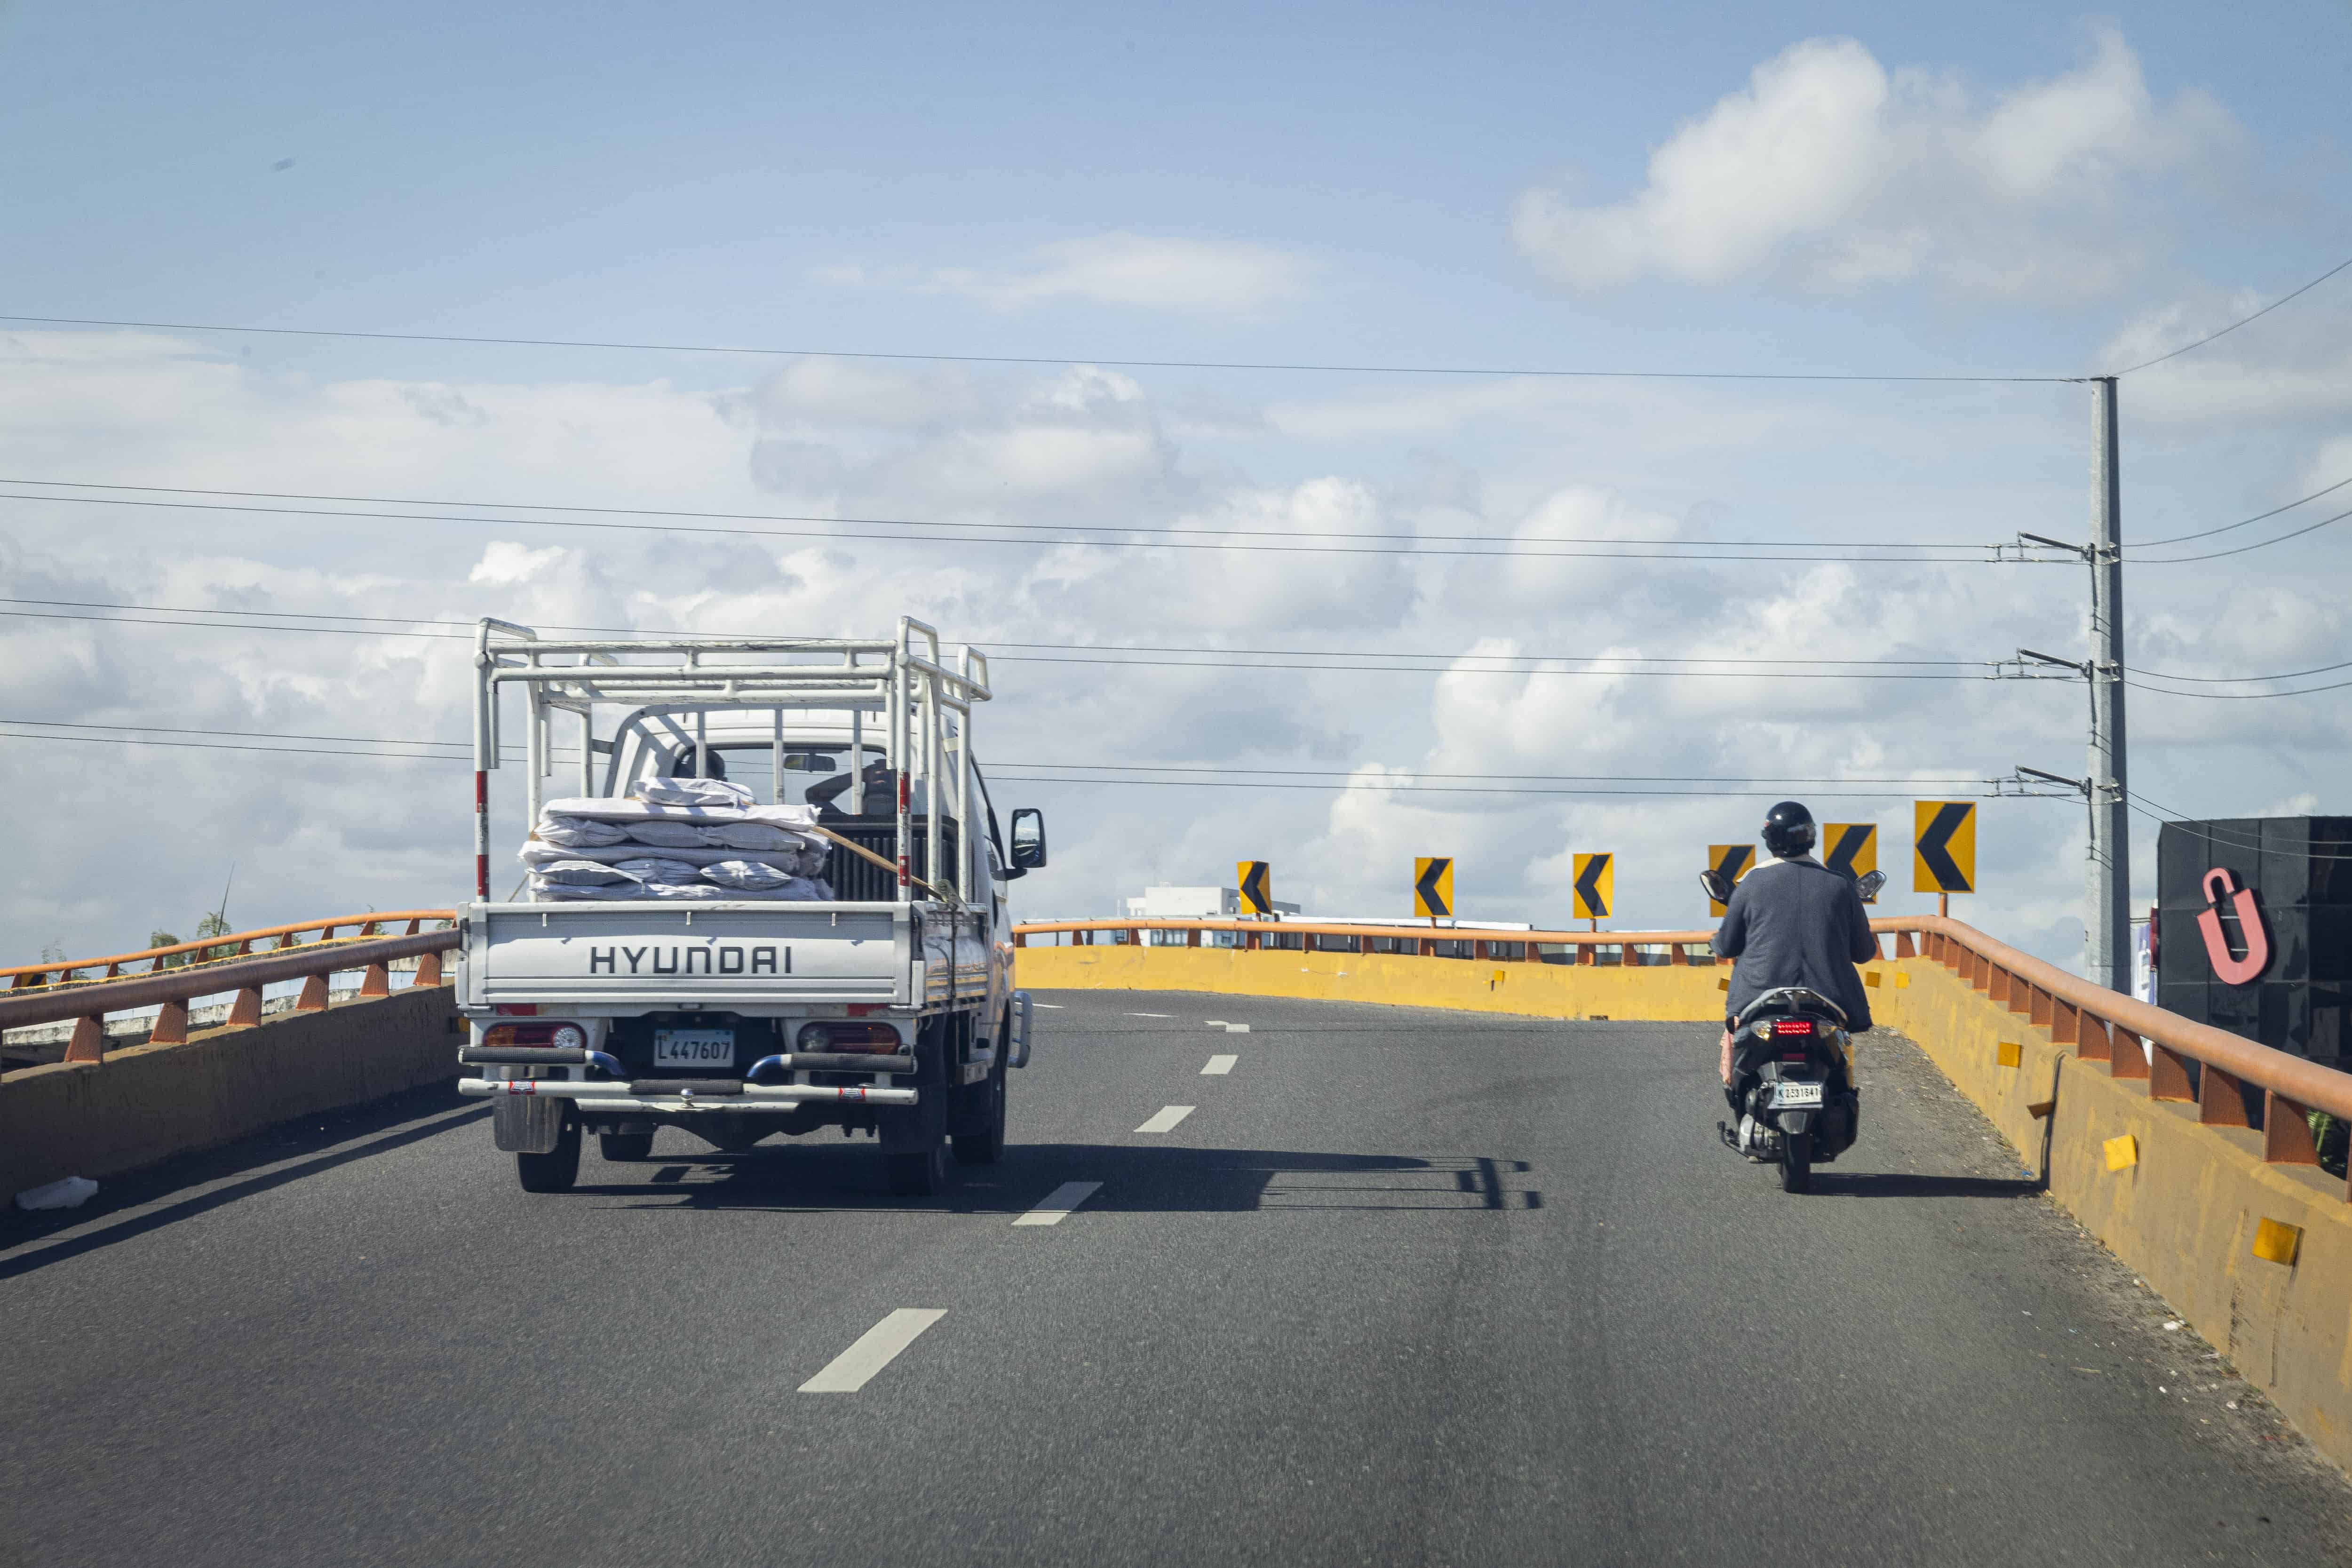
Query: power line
{"x": 1051, "y": 646}
{"x": 2167, "y": 815}
{"x": 2239, "y": 679}
{"x": 1346, "y": 783}
{"x": 1461, "y": 789}
{"x": 2237, "y": 696}
{"x": 1107, "y": 663}
{"x": 1530, "y": 778}
{"x": 1030, "y": 543}
{"x": 2242, "y": 548}
{"x": 2224, "y": 332}
{"x": 919, "y": 522}
{"x": 2185, "y": 538}
{"x": 1014, "y": 359}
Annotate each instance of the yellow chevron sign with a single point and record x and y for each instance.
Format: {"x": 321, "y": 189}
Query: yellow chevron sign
{"x": 1851, "y": 848}
{"x": 1596, "y": 880}
{"x": 1734, "y": 861}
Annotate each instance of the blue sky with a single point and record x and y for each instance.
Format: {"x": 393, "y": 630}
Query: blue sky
{"x": 2037, "y": 191}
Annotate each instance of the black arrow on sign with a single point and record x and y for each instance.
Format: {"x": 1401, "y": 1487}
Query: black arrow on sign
{"x": 1734, "y": 865}
{"x": 1253, "y": 890}
{"x": 1587, "y": 887}
{"x": 1949, "y": 819}
{"x": 1425, "y": 889}
{"x": 1848, "y": 844}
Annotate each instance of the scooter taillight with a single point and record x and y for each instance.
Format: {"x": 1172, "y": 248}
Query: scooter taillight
{"x": 1792, "y": 1025}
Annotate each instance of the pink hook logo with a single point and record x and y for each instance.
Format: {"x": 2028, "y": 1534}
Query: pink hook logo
{"x": 2218, "y": 885}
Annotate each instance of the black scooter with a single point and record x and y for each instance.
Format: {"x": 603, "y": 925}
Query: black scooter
{"x": 1791, "y": 1073}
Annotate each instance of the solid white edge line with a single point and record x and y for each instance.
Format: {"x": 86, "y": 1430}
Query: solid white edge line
{"x": 876, "y": 1348}
{"x": 1219, "y": 1066}
{"x": 1166, "y": 1119}
{"x": 1057, "y": 1204}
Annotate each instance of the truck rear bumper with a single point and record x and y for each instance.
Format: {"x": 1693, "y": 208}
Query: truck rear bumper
{"x": 619, "y": 1097}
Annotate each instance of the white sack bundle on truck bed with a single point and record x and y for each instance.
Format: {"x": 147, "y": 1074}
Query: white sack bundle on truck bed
{"x": 675, "y": 838}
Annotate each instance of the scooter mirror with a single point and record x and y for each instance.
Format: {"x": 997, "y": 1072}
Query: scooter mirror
{"x": 1717, "y": 885}
{"x": 1868, "y": 884}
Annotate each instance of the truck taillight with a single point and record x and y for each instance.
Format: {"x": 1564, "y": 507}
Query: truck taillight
{"x": 565, "y": 1037}
{"x": 879, "y": 1037}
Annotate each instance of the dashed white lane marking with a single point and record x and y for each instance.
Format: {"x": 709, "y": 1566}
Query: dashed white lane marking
{"x": 1229, "y": 1028}
{"x": 1151, "y": 1015}
{"x": 1219, "y": 1066}
{"x": 1056, "y": 1006}
{"x": 876, "y": 1348}
{"x": 1166, "y": 1119}
{"x": 1059, "y": 1202}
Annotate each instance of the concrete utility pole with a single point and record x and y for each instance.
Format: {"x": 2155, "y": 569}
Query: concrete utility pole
{"x": 2108, "y": 916}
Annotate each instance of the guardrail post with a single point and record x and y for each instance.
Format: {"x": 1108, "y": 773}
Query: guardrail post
{"x": 314, "y": 995}
{"x": 245, "y": 1011}
{"x": 2038, "y": 1002}
{"x": 1904, "y": 947}
{"x": 2220, "y": 1099}
{"x": 1676, "y": 953}
{"x": 2065, "y": 1023}
{"x": 376, "y": 981}
{"x": 2286, "y": 1132}
{"x": 2126, "y": 1060}
{"x": 1021, "y": 939}
{"x": 2168, "y": 1076}
{"x": 2094, "y": 1043}
{"x": 170, "y": 1024}
{"x": 88, "y": 1043}
{"x": 1192, "y": 937}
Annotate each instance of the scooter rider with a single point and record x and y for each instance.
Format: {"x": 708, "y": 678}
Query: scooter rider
{"x": 1794, "y": 921}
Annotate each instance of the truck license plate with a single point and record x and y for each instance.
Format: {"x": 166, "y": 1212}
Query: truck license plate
{"x": 1796, "y": 1094}
{"x": 694, "y": 1048}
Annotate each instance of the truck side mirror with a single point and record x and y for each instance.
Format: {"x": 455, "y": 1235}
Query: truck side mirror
{"x": 1028, "y": 839}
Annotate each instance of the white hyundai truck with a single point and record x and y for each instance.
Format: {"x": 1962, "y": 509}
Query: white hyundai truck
{"x": 877, "y": 998}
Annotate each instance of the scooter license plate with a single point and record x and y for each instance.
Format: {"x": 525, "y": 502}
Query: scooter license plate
{"x": 694, "y": 1048}
{"x": 1797, "y": 1094}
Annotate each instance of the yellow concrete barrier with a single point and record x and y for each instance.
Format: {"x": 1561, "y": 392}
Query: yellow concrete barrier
{"x": 1483, "y": 986}
{"x": 2257, "y": 1256}
{"x": 145, "y": 1102}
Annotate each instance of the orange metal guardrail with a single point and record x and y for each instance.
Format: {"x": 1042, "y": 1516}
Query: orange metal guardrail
{"x": 25, "y": 976}
{"x": 2236, "y": 1081}
{"x": 33, "y": 998}
{"x": 1482, "y": 942}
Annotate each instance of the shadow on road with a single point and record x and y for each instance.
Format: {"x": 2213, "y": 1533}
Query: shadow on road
{"x": 1134, "y": 1180}
{"x": 248, "y": 1166}
{"x": 1900, "y": 1184}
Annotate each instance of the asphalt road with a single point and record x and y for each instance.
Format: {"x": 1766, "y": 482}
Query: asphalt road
{"x": 1402, "y": 1287}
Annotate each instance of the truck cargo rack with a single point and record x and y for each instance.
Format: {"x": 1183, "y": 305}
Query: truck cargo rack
{"x": 922, "y": 697}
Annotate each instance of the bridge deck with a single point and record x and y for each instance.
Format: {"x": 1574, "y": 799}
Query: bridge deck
{"x": 1404, "y": 1288}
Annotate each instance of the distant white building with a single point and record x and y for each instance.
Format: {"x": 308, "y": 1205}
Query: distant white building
{"x": 1167, "y": 903}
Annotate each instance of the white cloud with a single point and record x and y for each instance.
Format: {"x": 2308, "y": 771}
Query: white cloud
{"x": 1218, "y": 280}
{"x": 1829, "y": 168}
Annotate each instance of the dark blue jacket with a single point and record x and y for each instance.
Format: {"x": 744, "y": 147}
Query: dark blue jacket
{"x": 1797, "y": 923}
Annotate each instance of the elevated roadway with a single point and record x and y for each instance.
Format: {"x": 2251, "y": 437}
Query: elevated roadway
{"x": 1402, "y": 1287}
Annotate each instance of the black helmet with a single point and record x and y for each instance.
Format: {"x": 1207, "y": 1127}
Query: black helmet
{"x": 1787, "y": 830}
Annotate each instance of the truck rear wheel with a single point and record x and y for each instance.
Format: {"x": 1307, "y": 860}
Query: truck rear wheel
{"x": 980, "y": 1118}
{"x": 558, "y": 1168}
{"x": 918, "y": 1175}
{"x": 619, "y": 1147}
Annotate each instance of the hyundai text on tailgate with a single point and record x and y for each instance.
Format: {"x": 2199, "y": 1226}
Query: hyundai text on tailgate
{"x": 774, "y": 902}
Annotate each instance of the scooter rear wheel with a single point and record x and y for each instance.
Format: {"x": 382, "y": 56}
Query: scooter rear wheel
{"x": 1796, "y": 1161}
